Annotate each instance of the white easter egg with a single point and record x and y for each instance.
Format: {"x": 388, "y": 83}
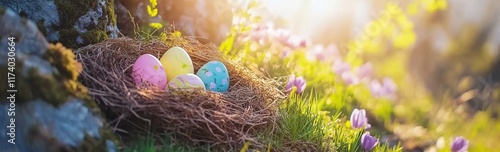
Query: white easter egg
{"x": 186, "y": 81}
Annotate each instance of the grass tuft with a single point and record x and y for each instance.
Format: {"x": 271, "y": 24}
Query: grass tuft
{"x": 300, "y": 126}
{"x": 148, "y": 143}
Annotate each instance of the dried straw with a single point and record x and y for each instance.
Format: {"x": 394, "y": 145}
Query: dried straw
{"x": 226, "y": 120}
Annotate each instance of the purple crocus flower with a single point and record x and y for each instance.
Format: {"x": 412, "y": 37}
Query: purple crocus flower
{"x": 364, "y": 72}
{"x": 281, "y": 35}
{"x": 258, "y": 36}
{"x": 314, "y": 53}
{"x": 340, "y": 67}
{"x": 303, "y": 42}
{"x": 260, "y": 33}
{"x": 298, "y": 82}
{"x": 349, "y": 78}
{"x": 331, "y": 52}
{"x": 320, "y": 53}
{"x": 460, "y": 144}
{"x": 368, "y": 142}
{"x": 359, "y": 119}
{"x": 376, "y": 88}
{"x": 385, "y": 90}
{"x": 295, "y": 42}
{"x": 286, "y": 39}
{"x": 389, "y": 85}
{"x": 286, "y": 52}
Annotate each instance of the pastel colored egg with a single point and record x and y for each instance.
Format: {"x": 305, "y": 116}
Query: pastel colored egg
{"x": 215, "y": 76}
{"x": 148, "y": 68}
{"x": 176, "y": 62}
{"x": 186, "y": 81}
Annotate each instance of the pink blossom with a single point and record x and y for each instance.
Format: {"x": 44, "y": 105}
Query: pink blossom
{"x": 376, "y": 88}
{"x": 260, "y": 33}
{"x": 258, "y": 36}
{"x": 304, "y": 43}
{"x": 331, "y": 52}
{"x": 349, "y": 78}
{"x": 315, "y": 53}
{"x": 364, "y": 72}
{"x": 296, "y": 42}
{"x": 282, "y": 36}
{"x": 340, "y": 67}
{"x": 320, "y": 53}
{"x": 286, "y": 52}
{"x": 389, "y": 85}
{"x": 286, "y": 39}
{"x": 386, "y": 89}
{"x": 268, "y": 27}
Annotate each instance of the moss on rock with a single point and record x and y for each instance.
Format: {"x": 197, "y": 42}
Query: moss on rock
{"x": 81, "y": 24}
{"x": 69, "y": 22}
{"x": 55, "y": 88}
{"x": 64, "y": 60}
{"x": 95, "y": 36}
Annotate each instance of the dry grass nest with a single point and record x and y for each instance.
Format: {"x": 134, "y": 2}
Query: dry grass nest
{"x": 226, "y": 120}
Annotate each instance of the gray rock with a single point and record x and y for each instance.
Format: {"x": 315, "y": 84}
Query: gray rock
{"x": 30, "y": 43}
{"x": 28, "y": 39}
{"x": 46, "y": 11}
{"x": 73, "y": 23}
{"x": 67, "y": 125}
{"x": 45, "y": 115}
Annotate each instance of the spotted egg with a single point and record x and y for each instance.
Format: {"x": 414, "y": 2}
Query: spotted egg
{"x": 186, "y": 81}
{"x": 215, "y": 76}
{"x": 148, "y": 68}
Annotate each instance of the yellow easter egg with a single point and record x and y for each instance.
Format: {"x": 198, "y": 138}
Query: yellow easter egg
{"x": 176, "y": 61}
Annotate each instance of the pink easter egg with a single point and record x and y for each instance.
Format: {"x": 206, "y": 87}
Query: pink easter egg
{"x": 148, "y": 68}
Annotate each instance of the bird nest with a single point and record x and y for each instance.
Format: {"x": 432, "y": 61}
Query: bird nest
{"x": 226, "y": 120}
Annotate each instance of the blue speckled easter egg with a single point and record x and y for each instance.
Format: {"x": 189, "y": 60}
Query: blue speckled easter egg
{"x": 215, "y": 76}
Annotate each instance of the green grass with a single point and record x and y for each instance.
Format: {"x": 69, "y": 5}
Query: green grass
{"x": 298, "y": 123}
{"x": 147, "y": 143}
